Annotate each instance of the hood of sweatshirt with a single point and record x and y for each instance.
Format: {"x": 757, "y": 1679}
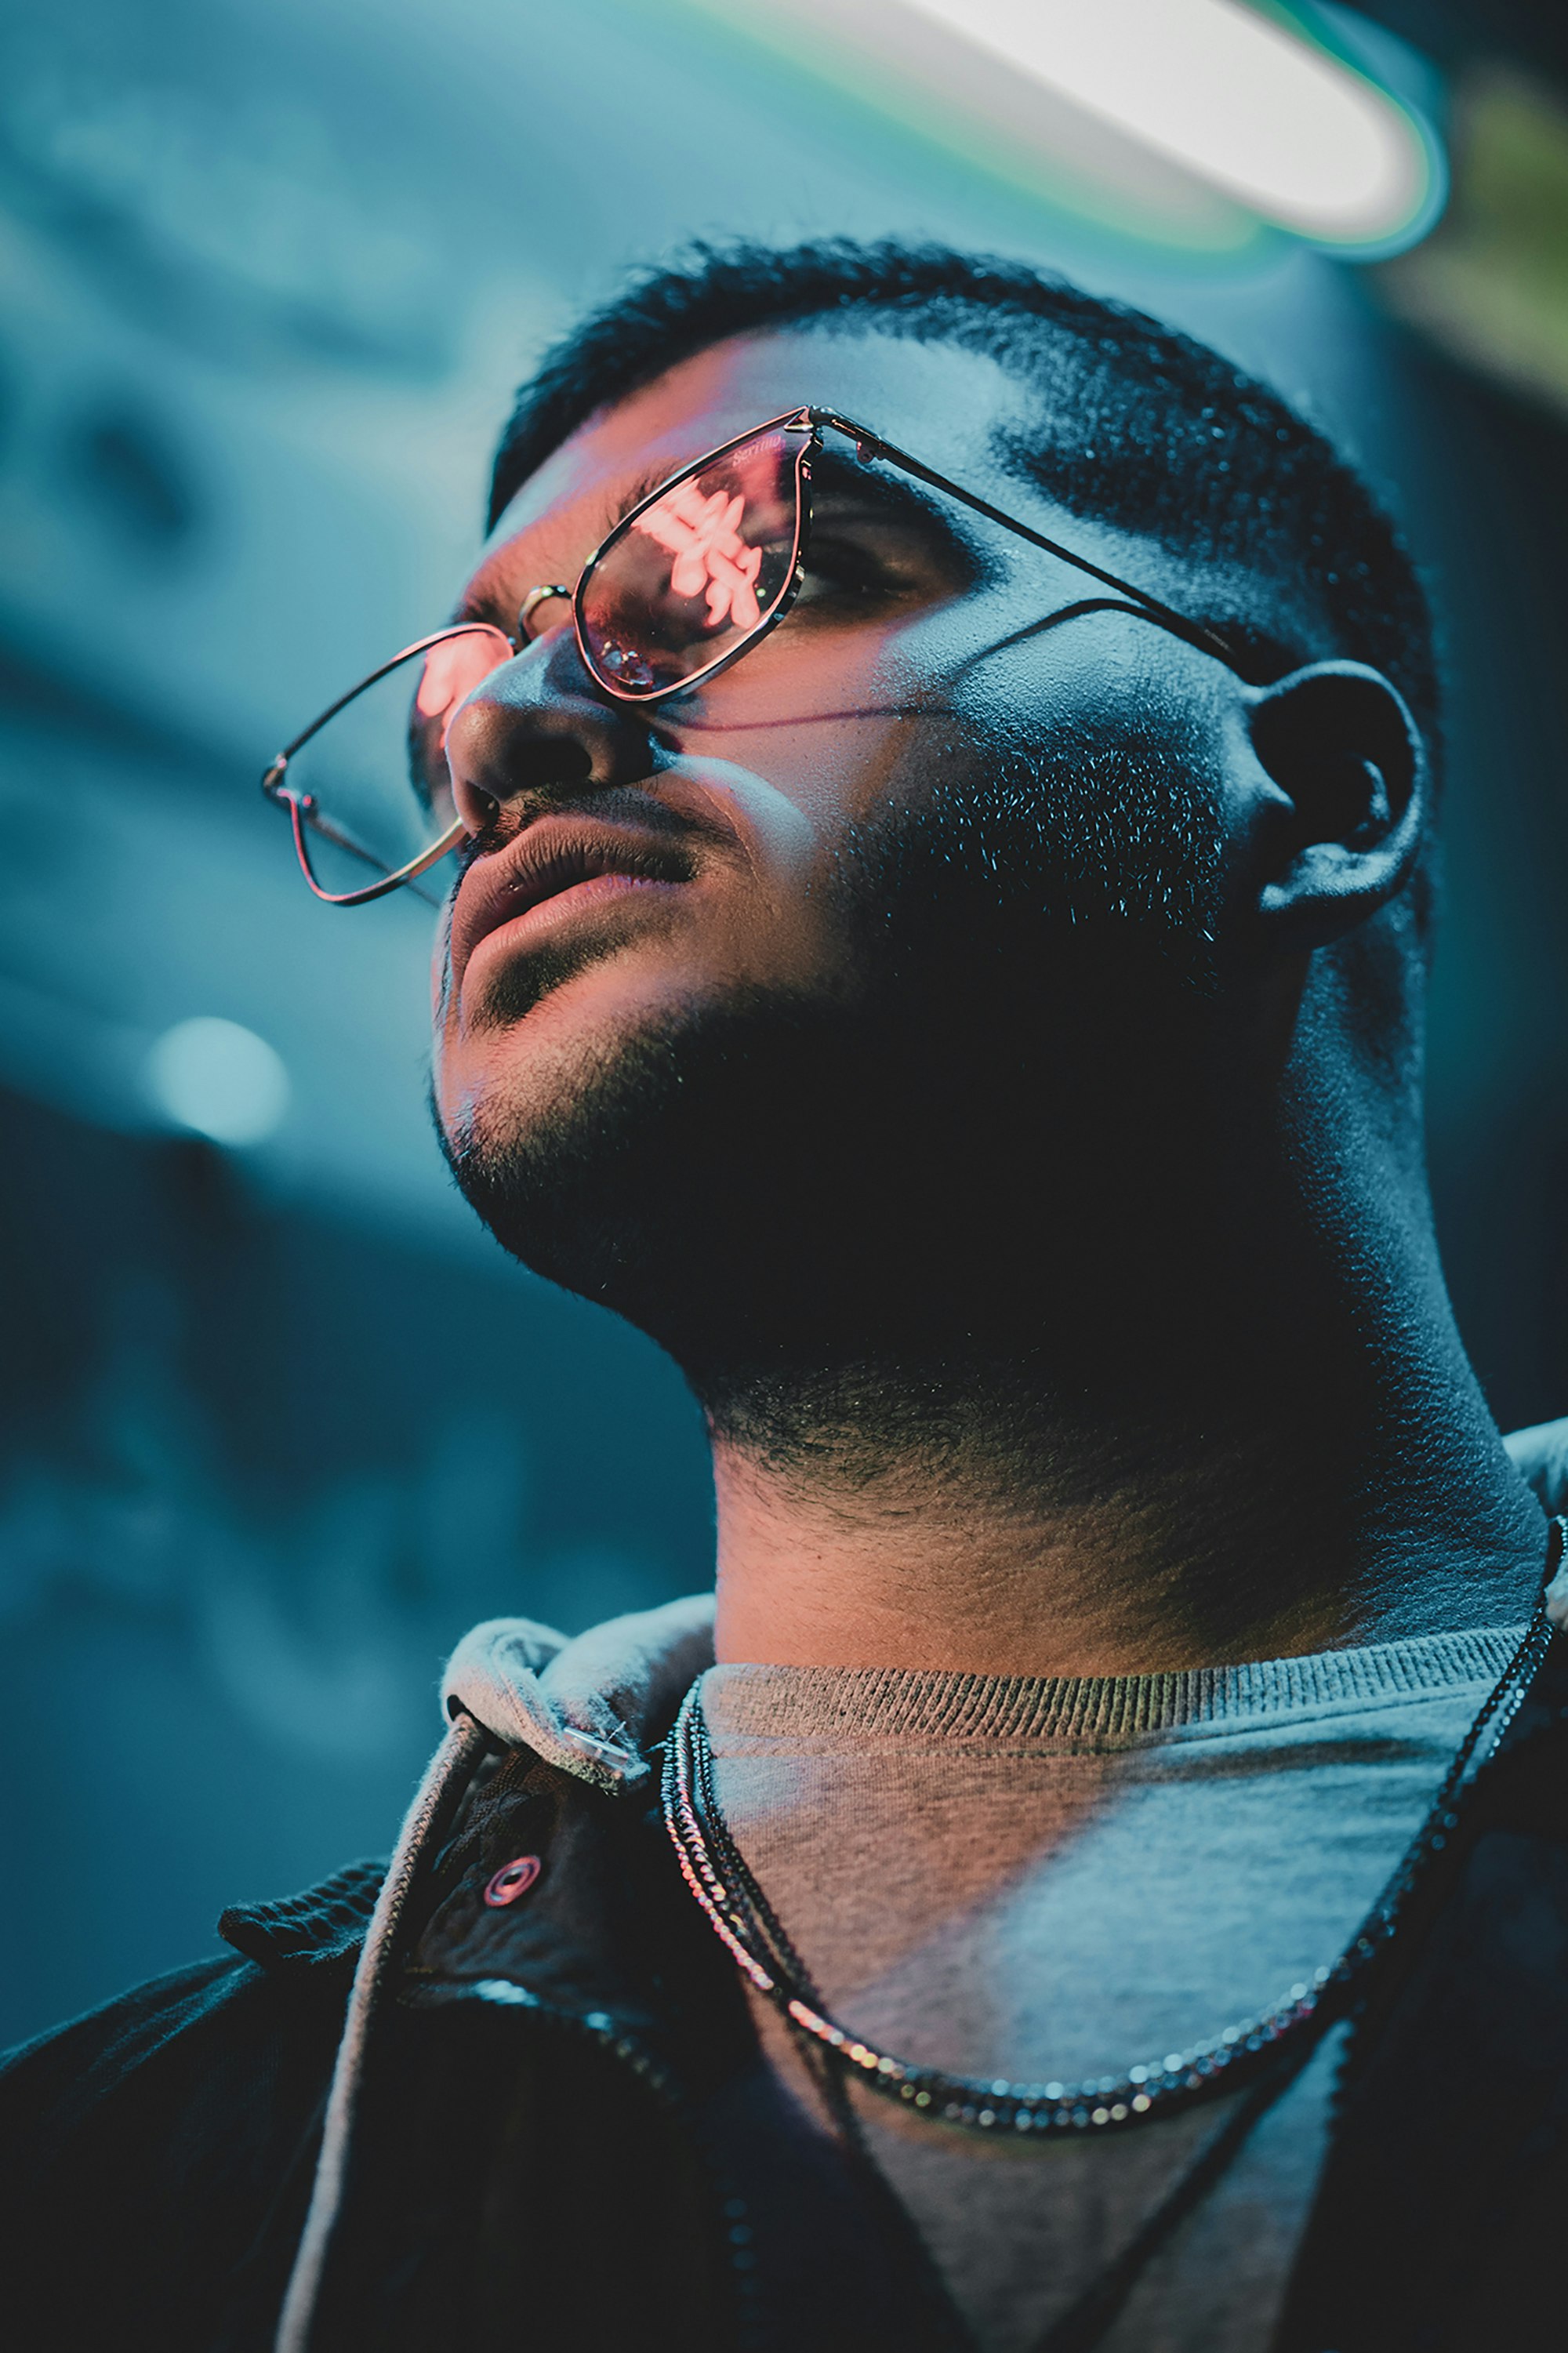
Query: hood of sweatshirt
{"x": 593, "y": 1705}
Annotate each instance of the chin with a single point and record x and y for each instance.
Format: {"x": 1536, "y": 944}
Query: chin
{"x": 657, "y": 1166}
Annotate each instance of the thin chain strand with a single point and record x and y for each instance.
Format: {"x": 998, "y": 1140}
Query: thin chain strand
{"x": 738, "y": 1911}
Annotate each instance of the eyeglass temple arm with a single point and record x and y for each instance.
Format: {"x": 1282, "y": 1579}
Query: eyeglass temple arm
{"x": 872, "y": 446}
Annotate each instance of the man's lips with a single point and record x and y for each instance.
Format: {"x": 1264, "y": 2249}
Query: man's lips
{"x": 555, "y": 867}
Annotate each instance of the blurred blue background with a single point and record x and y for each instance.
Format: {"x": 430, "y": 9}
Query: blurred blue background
{"x": 280, "y": 1421}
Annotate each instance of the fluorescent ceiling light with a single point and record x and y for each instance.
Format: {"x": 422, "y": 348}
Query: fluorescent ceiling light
{"x": 1238, "y": 98}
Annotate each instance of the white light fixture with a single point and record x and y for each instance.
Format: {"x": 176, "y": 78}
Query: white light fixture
{"x": 218, "y": 1079}
{"x": 1238, "y": 98}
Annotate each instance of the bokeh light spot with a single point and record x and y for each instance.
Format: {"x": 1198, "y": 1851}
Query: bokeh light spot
{"x": 218, "y": 1079}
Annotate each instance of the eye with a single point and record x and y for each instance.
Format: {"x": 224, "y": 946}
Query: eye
{"x": 853, "y": 565}
{"x": 838, "y": 565}
{"x": 862, "y": 559}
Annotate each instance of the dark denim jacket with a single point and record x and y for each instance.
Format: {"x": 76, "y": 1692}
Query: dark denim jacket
{"x": 567, "y": 2130}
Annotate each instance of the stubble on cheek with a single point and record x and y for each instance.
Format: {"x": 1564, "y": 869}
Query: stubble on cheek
{"x": 773, "y": 918}
{"x": 550, "y": 1037}
{"x": 493, "y": 1092}
{"x": 757, "y": 918}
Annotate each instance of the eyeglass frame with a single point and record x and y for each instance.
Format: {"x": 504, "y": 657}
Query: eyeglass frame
{"x": 811, "y": 423}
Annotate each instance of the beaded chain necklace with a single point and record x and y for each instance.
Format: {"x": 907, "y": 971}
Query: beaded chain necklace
{"x": 740, "y": 1915}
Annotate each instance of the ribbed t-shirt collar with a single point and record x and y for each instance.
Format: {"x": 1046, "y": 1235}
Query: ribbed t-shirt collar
{"x": 784, "y": 1703}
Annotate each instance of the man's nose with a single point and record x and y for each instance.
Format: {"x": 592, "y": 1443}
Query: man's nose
{"x": 536, "y": 732}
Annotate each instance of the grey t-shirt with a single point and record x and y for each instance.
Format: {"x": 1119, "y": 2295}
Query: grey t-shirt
{"x": 1048, "y": 1880}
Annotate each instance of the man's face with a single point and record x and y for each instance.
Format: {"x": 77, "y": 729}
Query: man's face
{"x": 949, "y": 739}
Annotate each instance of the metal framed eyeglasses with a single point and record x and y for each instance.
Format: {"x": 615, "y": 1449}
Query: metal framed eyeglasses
{"x": 697, "y": 574}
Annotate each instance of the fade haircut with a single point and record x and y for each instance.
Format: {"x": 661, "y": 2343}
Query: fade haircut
{"x": 1146, "y": 429}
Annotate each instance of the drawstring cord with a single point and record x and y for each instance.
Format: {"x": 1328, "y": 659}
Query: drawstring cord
{"x": 446, "y": 1777}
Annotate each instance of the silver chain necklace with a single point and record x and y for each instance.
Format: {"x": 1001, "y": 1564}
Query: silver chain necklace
{"x": 744, "y": 1921}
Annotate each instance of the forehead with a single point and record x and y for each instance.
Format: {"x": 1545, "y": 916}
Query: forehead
{"x": 944, "y": 404}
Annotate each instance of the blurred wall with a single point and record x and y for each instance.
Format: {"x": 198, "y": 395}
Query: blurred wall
{"x": 281, "y": 1422}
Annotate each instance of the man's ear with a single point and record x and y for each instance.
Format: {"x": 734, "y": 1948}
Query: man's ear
{"x": 1341, "y": 746}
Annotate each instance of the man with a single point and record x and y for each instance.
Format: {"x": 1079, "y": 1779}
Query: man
{"x": 974, "y": 1024}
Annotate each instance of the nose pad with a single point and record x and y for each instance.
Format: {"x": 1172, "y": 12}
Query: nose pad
{"x": 536, "y": 732}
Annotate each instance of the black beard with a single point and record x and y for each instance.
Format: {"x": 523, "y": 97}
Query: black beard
{"x": 787, "y": 1189}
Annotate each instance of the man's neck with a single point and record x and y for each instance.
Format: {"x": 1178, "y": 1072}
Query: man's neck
{"x": 1005, "y": 1543}
{"x": 1145, "y": 1366}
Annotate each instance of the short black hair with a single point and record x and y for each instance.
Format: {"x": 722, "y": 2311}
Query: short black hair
{"x": 1147, "y": 429}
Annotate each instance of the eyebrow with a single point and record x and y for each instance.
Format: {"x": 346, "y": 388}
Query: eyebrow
{"x": 615, "y": 505}
{"x": 632, "y": 494}
{"x": 836, "y": 476}
{"x": 833, "y": 475}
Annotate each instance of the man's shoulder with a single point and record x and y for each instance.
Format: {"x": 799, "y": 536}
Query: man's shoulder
{"x": 169, "y": 2134}
{"x": 195, "y": 2025}
{"x": 124, "y": 2030}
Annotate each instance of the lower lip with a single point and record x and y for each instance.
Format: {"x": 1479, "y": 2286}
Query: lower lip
{"x": 578, "y": 899}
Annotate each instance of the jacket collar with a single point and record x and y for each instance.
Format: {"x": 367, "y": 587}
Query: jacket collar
{"x": 323, "y": 1927}
{"x": 590, "y": 1706}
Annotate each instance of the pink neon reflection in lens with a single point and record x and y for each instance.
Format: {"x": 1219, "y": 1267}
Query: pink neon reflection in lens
{"x": 711, "y": 557}
{"x": 685, "y": 581}
{"x": 453, "y": 669}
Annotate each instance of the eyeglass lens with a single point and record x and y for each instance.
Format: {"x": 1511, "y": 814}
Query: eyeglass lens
{"x": 684, "y": 583}
{"x": 375, "y": 774}
{"x": 678, "y": 589}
